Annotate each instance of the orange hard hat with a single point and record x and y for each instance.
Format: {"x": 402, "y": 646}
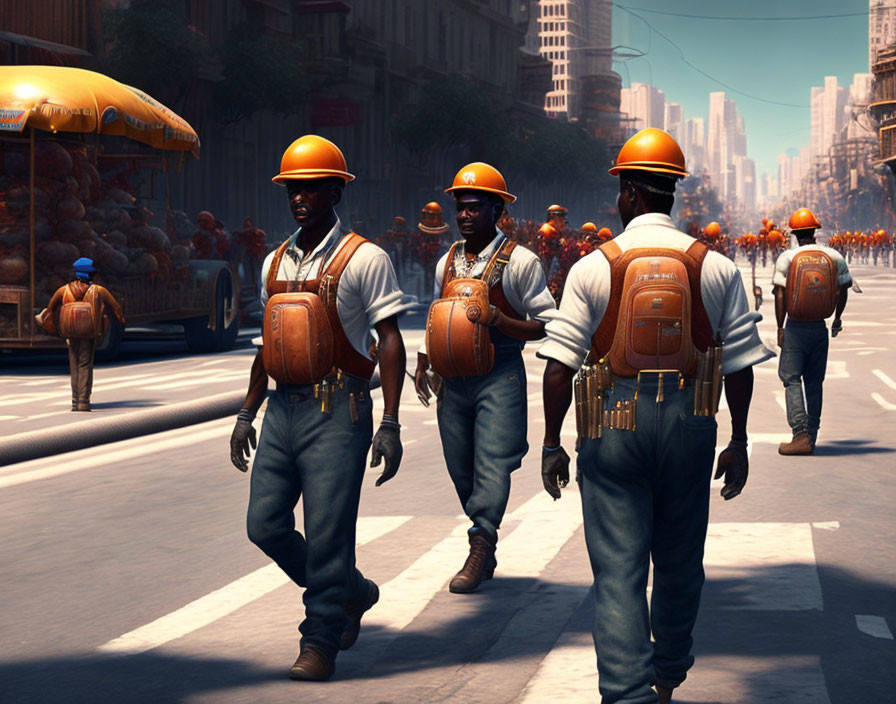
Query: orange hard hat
{"x": 605, "y": 233}
{"x": 479, "y": 176}
{"x": 310, "y": 157}
{"x": 712, "y": 229}
{"x": 432, "y": 207}
{"x": 651, "y": 150}
{"x": 775, "y": 237}
{"x": 556, "y": 209}
{"x": 589, "y": 227}
{"x": 804, "y": 219}
{"x": 548, "y": 231}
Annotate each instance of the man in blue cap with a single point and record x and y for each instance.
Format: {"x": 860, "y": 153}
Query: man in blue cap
{"x": 77, "y": 312}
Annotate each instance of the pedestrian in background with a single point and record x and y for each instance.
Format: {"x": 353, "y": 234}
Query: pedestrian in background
{"x": 76, "y": 312}
{"x": 811, "y": 283}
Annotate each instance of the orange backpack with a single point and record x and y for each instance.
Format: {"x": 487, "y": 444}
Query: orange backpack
{"x": 655, "y": 319}
{"x": 303, "y": 338}
{"x": 811, "y": 286}
{"x": 82, "y": 318}
{"x": 456, "y": 346}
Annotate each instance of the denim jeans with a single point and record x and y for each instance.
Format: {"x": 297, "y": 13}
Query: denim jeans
{"x": 645, "y": 494}
{"x": 804, "y": 358}
{"x": 482, "y": 423}
{"x": 320, "y": 457}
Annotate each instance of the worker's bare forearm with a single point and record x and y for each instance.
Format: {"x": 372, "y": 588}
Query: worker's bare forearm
{"x": 557, "y": 393}
{"x": 841, "y": 301}
{"x": 520, "y": 329}
{"x": 739, "y": 394}
{"x": 780, "y": 306}
{"x": 392, "y": 360}
{"x": 258, "y": 385}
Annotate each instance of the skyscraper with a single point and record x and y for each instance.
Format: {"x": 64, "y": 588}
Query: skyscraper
{"x": 881, "y": 27}
{"x": 644, "y": 105}
{"x": 574, "y": 35}
{"x": 674, "y": 121}
{"x": 726, "y": 138}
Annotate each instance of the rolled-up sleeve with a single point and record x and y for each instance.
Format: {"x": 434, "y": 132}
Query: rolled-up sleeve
{"x": 844, "y": 278}
{"x": 527, "y": 281}
{"x": 742, "y": 347}
{"x": 581, "y": 309}
{"x": 782, "y": 268}
{"x": 378, "y": 288}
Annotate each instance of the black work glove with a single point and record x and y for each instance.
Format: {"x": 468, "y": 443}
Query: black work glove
{"x": 387, "y": 445}
{"x": 243, "y": 435}
{"x": 554, "y": 470}
{"x": 735, "y": 466}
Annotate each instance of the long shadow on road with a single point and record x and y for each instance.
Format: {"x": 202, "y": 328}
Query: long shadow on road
{"x": 755, "y": 651}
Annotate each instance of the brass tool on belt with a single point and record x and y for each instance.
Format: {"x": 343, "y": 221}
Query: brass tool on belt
{"x": 708, "y": 382}
{"x": 352, "y": 408}
{"x": 325, "y": 389}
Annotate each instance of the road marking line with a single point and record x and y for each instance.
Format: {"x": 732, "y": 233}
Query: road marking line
{"x": 9, "y": 417}
{"x": 227, "y": 599}
{"x": 773, "y": 562}
{"x": 135, "y": 448}
{"x": 830, "y": 525}
{"x": 779, "y": 397}
{"x": 874, "y": 626}
{"x": 884, "y": 378}
{"x": 882, "y": 402}
{"x": 209, "y": 375}
{"x": 738, "y": 551}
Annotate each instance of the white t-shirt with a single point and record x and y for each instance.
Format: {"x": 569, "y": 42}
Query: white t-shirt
{"x": 523, "y": 279}
{"x": 782, "y": 266}
{"x": 368, "y": 289}
{"x": 587, "y": 293}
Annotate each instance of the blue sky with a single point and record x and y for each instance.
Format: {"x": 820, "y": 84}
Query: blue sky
{"x": 775, "y": 60}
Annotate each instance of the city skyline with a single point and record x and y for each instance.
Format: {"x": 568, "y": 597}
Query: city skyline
{"x": 798, "y": 55}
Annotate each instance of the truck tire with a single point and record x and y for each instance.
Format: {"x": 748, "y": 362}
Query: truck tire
{"x": 197, "y": 334}
{"x": 109, "y": 345}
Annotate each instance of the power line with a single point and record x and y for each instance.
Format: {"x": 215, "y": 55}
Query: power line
{"x": 744, "y": 19}
{"x": 704, "y": 73}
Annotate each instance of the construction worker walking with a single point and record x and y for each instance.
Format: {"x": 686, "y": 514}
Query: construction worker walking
{"x": 811, "y": 283}
{"x": 490, "y": 297}
{"x": 649, "y": 313}
{"x": 322, "y": 292}
{"x": 76, "y": 312}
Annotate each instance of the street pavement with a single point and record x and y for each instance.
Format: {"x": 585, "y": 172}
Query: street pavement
{"x": 129, "y": 577}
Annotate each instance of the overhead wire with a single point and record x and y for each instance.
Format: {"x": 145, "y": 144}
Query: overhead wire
{"x": 704, "y": 73}
{"x": 744, "y": 18}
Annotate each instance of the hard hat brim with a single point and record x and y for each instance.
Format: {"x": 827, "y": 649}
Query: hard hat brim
{"x": 657, "y": 167}
{"x": 307, "y": 174}
{"x": 432, "y": 230}
{"x": 508, "y": 197}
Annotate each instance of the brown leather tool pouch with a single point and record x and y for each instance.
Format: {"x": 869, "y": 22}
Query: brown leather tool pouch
{"x": 457, "y": 346}
{"x": 298, "y": 340}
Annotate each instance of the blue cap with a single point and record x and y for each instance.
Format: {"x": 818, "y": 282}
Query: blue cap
{"x": 84, "y": 265}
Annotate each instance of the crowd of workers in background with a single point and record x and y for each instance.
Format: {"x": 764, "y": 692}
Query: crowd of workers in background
{"x": 557, "y": 244}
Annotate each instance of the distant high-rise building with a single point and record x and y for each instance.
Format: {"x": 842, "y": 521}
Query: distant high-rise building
{"x": 574, "y": 35}
{"x": 674, "y": 121}
{"x": 694, "y": 144}
{"x": 726, "y": 138}
{"x": 644, "y": 105}
{"x": 881, "y": 27}
{"x": 828, "y": 116}
{"x": 860, "y": 90}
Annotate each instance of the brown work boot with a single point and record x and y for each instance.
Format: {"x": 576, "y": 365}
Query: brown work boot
{"x": 74, "y": 404}
{"x": 83, "y": 406}
{"x": 313, "y": 665}
{"x": 480, "y": 565}
{"x": 800, "y": 445}
{"x": 354, "y": 611}
{"x": 663, "y": 693}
